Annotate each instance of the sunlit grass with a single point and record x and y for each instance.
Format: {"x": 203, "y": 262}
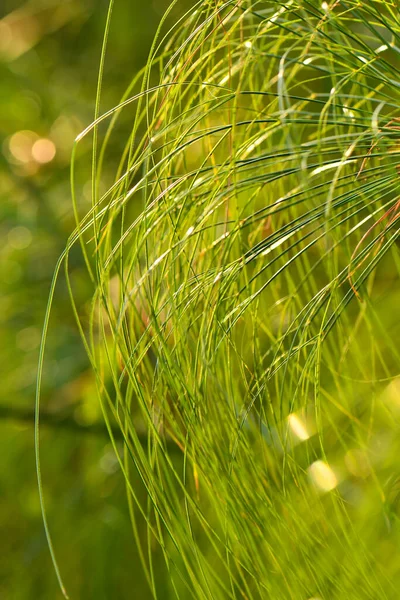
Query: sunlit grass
{"x": 245, "y": 272}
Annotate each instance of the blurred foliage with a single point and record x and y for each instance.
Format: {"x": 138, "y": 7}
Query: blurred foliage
{"x": 49, "y": 55}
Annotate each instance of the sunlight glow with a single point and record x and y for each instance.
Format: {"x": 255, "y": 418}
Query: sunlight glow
{"x": 298, "y": 427}
{"x": 322, "y": 476}
{"x": 330, "y": 166}
{"x": 348, "y": 112}
{"x": 276, "y": 244}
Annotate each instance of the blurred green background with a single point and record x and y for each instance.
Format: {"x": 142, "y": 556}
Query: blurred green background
{"x": 49, "y": 55}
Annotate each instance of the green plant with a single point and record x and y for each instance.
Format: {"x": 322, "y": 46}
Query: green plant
{"x": 245, "y": 272}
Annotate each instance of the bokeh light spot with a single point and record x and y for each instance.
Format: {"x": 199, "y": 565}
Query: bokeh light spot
{"x": 322, "y": 476}
{"x": 43, "y": 151}
{"x": 20, "y": 145}
{"x": 28, "y": 339}
{"x": 19, "y": 237}
{"x": 298, "y": 427}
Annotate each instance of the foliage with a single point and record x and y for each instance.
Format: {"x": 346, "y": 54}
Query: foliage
{"x": 242, "y": 260}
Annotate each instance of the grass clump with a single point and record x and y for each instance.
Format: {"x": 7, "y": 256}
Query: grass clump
{"x": 245, "y": 269}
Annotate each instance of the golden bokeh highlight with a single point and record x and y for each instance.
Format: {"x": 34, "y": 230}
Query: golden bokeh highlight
{"x": 322, "y": 476}
{"x": 43, "y": 151}
{"x": 298, "y": 427}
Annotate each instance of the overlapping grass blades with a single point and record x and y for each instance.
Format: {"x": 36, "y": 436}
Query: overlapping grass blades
{"x": 245, "y": 274}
